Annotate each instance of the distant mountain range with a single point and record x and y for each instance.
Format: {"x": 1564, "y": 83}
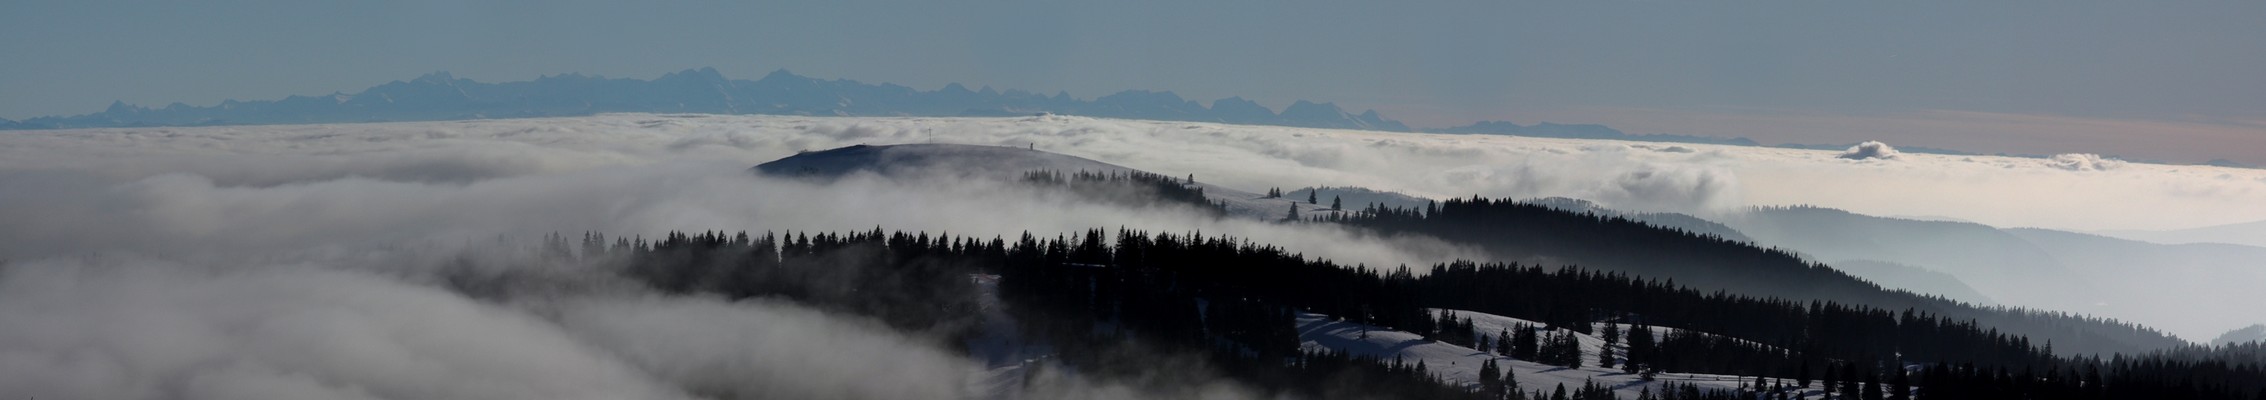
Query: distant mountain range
{"x": 440, "y": 96}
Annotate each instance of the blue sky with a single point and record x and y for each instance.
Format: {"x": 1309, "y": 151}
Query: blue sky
{"x": 2165, "y": 80}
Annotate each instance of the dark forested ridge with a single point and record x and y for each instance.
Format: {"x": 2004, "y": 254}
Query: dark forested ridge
{"x": 1516, "y": 230}
{"x": 1110, "y": 304}
{"x": 1129, "y": 188}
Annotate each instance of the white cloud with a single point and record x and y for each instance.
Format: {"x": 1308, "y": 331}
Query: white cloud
{"x": 142, "y": 329}
{"x": 2083, "y": 162}
{"x": 1871, "y": 150}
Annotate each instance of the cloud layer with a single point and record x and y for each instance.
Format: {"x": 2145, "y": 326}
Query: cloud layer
{"x": 1693, "y": 178}
{"x": 316, "y": 261}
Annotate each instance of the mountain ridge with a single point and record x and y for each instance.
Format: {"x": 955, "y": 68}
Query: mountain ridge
{"x": 441, "y": 96}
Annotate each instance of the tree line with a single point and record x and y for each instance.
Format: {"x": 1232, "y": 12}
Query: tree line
{"x": 1233, "y": 302}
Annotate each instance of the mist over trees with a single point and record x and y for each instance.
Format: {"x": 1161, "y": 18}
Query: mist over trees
{"x": 1515, "y": 230}
{"x": 1129, "y": 188}
{"x": 1229, "y": 302}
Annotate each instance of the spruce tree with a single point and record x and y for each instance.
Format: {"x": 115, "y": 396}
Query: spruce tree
{"x": 1487, "y": 378}
{"x": 1503, "y": 342}
{"x": 1832, "y": 372}
{"x": 1335, "y": 204}
{"x": 1569, "y": 349}
{"x": 1310, "y": 196}
{"x": 1605, "y": 353}
{"x": 1872, "y": 387}
{"x": 1802, "y": 375}
{"x": 1510, "y": 381}
{"x": 1900, "y": 386}
{"x": 1293, "y": 215}
{"x": 1849, "y": 382}
{"x": 1525, "y": 346}
{"x": 1640, "y": 347}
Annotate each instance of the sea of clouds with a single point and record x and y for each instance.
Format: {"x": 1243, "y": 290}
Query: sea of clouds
{"x": 316, "y": 261}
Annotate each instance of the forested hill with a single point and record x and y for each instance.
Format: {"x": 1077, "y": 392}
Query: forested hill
{"x": 1514, "y": 230}
{"x": 1114, "y": 304}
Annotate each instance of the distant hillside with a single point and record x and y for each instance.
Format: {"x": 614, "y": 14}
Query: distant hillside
{"x": 1540, "y": 234}
{"x": 1677, "y": 221}
{"x": 2060, "y": 270}
{"x": 440, "y": 96}
{"x": 1914, "y": 279}
{"x": 2247, "y": 334}
{"x": 2247, "y": 233}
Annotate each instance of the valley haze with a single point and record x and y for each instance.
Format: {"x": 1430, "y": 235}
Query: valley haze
{"x": 388, "y": 208}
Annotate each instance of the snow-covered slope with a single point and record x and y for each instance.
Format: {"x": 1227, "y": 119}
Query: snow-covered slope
{"x": 1460, "y": 365}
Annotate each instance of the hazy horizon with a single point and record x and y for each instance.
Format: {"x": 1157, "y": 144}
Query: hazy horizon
{"x": 2020, "y": 78}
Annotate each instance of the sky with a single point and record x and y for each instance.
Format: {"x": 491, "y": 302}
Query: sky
{"x": 2140, "y": 80}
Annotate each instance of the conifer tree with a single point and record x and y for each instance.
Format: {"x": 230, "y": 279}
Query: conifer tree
{"x": 1900, "y": 386}
{"x": 1569, "y": 349}
{"x": 1849, "y": 382}
{"x": 1605, "y": 352}
{"x": 1310, "y": 196}
{"x": 1872, "y": 387}
{"x": 1640, "y": 347}
{"x": 1503, "y": 342}
{"x": 1335, "y": 204}
{"x": 1487, "y": 378}
{"x": 1526, "y": 346}
{"x": 1832, "y": 372}
{"x": 1293, "y": 215}
{"x": 1510, "y": 381}
{"x": 1802, "y": 375}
